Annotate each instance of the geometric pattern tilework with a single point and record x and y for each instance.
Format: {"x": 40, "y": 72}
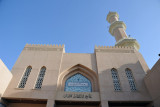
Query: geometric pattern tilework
{"x": 40, "y": 78}
{"x": 78, "y": 83}
{"x": 115, "y": 78}
{"x": 131, "y": 80}
{"x": 25, "y": 77}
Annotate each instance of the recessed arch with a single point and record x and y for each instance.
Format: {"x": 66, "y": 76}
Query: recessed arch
{"x": 25, "y": 77}
{"x": 40, "y": 78}
{"x": 131, "y": 79}
{"x": 116, "y": 81}
{"x": 78, "y": 69}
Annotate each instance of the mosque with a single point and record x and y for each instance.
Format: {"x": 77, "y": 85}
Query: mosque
{"x": 112, "y": 76}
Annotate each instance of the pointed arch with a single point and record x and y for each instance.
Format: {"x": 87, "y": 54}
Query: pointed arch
{"x": 116, "y": 80}
{"x": 25, "y": 77}
{"x": 40, "y": 78}
{"x": 130, "y": 79}
{"x": 78, "y": 69}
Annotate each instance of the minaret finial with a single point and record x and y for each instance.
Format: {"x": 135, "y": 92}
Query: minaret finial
{"x": 112, "y": 17}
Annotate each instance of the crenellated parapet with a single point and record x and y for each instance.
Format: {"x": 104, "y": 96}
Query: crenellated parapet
{"x": 45, "y": 45}
{"x": 113, "y": 47}
{"x": 131, "y": 42}
{"x": 116, "y": 49}
{"x": 40, "y": 47}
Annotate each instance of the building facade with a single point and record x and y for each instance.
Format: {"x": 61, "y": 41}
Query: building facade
{"x": 152, "y": 83}
{"x": 46, "y": 76}
{"x": 5, "y": 78}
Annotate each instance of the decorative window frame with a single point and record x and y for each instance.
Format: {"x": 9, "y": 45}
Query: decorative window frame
{"x": 117, "y": 79}
{"x": 90, "y": 83}
{"x": 18, "y": 86}
{"x": 38, "y": 78}
{"x": 133, "y": 79}
{"x": 81, "y": 69}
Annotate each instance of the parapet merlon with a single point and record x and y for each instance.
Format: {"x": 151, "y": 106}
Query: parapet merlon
{"x": 40, "y": 47}
{"x": 116, "y": 49}
{"x": 45, "y": 45}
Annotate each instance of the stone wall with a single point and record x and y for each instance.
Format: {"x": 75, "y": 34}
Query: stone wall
{"x": 5, "y": 77}
{"x": 152, "y": 81}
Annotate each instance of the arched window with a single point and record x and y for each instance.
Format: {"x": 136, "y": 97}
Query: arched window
{"x": 78, "y": 83}
{"x": 40, "y": 78}
{"x": 25, "y": 77}
{"x": 131, "y": 80}
{"x": 115, "y": 78}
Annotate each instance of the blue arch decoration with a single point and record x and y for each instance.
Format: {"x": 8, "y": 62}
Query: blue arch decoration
{"x": 78, "y": 83}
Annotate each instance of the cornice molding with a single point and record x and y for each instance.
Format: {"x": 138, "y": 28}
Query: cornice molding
{"x": 116, "y": 24}
{"x": 38, "y": 47}
{"x": 115, "y": 49}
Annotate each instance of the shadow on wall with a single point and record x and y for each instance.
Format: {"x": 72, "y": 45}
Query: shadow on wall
{"x": 108, "y": 92}
{"x": 30, "y": 96}
{"x": 41, "y": 96}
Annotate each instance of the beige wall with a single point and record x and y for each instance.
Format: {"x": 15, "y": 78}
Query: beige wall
{"x": 152, "y": 80}
{"x": 120, "y": 59}
{"x": 5, "y": 77}
{"x": 97, "y": 64}
{"x": 36, "y": 56}
{"x": 72, "y": 59}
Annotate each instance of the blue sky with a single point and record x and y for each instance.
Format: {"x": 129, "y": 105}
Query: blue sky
{"x": 79, "y": 24}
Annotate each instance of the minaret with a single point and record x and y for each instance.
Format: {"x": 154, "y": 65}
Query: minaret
{"x": 117, "y": 29}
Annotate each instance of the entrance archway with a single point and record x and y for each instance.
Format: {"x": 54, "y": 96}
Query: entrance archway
{"x": 86, "y": 74}
{"x": 78, "y": 86}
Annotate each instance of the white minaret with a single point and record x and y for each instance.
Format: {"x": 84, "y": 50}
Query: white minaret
{"x": 117, "y": 29}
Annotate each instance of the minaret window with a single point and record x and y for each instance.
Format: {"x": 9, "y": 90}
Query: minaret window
{"x": 25, "y": 77}
{"x": 78, "y": 83}
{"x": 40, "y": 78}
{"x": 131, "y": 80}
{"x": 115, "y": 78}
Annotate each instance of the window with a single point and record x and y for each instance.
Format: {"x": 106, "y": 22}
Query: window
{"x": 131, "y": 80}
{"x": 40, "y": 78}
{"x": 115, "y": 80}
{"x": 25, "y": 77}
{"x": 78, "y": 83}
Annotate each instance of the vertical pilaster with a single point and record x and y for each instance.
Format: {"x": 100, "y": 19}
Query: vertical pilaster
{"x": 50, "y": 103}
{"x": 104, "y": 104}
